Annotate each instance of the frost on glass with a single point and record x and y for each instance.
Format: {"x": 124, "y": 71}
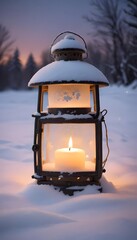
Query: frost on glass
{"x": 69, "y": 96}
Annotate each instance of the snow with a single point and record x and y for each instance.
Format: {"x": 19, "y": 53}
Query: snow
{"x": 68, "y": 42}
{"x": 67, "y": 116}
{"x": 29, "y": 211}
{"x": 67, "y": 71}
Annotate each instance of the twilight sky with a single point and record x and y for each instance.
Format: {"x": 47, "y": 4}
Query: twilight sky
{"x": 35, "y": 23}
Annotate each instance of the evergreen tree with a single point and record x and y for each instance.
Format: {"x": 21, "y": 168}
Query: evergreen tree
{"x": 4, "y": 83}
{"x": 45, "y": 58}
{"x": 15, "y": 71}
{"x": 29, "y": 70}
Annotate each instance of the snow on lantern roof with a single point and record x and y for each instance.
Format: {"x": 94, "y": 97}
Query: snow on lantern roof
{"x": 68, "y": 72}
{"x": 68, "y": 42}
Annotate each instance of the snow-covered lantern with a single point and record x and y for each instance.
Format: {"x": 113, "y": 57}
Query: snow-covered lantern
{"x": 68, "y": 122}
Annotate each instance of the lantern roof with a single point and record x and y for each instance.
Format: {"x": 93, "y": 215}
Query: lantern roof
{"x": 68, "y": 66}
{"x": 60, "y": 72}
{"x": 68, "y": 42}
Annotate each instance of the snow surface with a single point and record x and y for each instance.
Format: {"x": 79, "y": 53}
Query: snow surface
{"x": 29, "y": 211}
{"x": 66, "y": 71}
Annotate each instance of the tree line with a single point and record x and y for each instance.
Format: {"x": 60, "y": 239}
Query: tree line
{"x": 13, "y": 74}
{"x": 112, "y": 49}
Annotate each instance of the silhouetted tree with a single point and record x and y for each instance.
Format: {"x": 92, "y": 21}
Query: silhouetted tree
{"x": 15, "y": 71}
{"x": 4, "y": 83}
{"x": 29, "y": 70}
{"x": 45, "y": 58}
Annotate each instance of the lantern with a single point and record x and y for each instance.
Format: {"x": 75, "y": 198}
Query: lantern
{"x": 68, "y": 122}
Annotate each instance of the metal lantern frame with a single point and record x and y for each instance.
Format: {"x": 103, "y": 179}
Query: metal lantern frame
{"x": 60, "y": 179}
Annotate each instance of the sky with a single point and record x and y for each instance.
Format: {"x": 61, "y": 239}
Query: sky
{"x": 34, "y": 24}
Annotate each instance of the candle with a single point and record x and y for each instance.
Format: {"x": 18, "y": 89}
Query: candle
{"x": 70, "y": 159}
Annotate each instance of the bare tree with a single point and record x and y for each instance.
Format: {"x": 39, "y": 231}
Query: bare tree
{"x": 5, "y": 43}
{"x": 131, "y": 11}
{"x": 15, "y": 71}
{"x": 131, "y": 21}
{"x": 29, "y": 70}
{"x": 106, "y": 19}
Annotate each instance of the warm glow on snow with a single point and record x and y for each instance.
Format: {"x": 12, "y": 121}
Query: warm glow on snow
{"x": 30, "y": 211}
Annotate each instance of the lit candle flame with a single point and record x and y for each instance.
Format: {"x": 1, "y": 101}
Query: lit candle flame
{"x": 70, "y": 143}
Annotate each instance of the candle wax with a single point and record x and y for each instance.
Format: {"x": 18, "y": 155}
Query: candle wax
{"x": 72, "y": 159}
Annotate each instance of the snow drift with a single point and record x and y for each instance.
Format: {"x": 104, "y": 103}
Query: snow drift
{"x": 29, "y": 211}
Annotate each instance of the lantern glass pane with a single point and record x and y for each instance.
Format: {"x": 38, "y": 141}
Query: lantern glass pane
{"x": 68, "y": 147}
{"x": 69, "y": 96}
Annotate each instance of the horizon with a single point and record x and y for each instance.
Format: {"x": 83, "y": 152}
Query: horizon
{"x": 34, "y": 25}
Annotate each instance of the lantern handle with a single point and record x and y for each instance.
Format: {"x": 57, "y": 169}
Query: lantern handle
{"x": 75, "y": 35}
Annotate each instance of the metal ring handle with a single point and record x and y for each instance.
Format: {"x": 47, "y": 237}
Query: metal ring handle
{"x": 73, "y": 34}
{"x": 104, "y": 112}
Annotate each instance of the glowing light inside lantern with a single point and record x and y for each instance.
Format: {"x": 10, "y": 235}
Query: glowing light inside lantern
{"x": 70, "y": 159}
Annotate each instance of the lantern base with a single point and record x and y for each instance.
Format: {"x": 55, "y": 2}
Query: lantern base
{"x": 69, "y": 186}
{"x": 74, "y": 111}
